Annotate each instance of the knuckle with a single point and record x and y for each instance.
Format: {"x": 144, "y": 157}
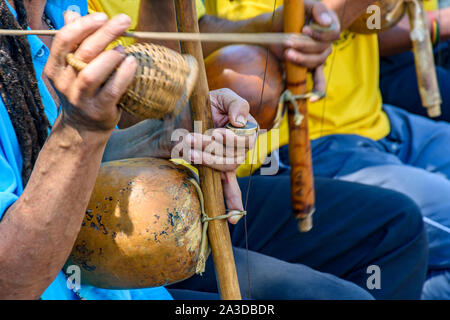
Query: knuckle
{"x": 114, "y": 91}
{"x": 62, "y": 86}
{"x": 299, "y": 59}
{"x": 228, "y": 92}
{"x": 245, "y": 104}
{"x": 224, "y": 90}
{"x": 74, "y": 97}
{"x": 111, "y": 93}
{"x": 86, "y": 80}
{"x": 63, "y": 38}
{"x": 49, "y": 71}
{"x": 87, "y": 53}
{"x": 240, "y": 159}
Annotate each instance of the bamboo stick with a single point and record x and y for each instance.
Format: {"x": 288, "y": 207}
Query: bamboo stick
{"x": 250, "y": 38}
{"x": 302, "y": 184}
{"x": 424, "y": 59}
{"x": 210, "y": 180}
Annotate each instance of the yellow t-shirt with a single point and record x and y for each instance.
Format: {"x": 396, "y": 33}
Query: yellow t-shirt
{"x": 129, "y": 7}
{"x": 113, "y": 8}
{"x": 431, "y": 5}
{"x": 353, "y": 104}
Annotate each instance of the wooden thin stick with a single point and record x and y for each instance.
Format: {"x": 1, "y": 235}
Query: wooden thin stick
{"x": 424, "y": 59}
{"x": 250, "y": 38}
{"x": 210, "y": 180}
{"x": 302, "y": 183}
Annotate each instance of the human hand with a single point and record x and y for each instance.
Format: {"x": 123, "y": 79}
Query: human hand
{"x": 221, "y": 149}
{"x": 89, "y": 97}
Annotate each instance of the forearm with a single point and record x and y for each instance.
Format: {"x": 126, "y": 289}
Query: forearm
{"x": 37, "y": 232}
{"x": 148, "y": 138}
{"x": 397, "y": 39}
{"x": 348, "y": 10}
{"x": 212, "y": 24}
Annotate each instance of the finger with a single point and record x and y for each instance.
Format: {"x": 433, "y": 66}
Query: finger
{"x": 98, "y": 41}
{"x": 197, "y": 141}
{"x": 323, "y": 36}
{"x": 324, "y": 18}
{"x": 70, "y": 17}
{"x": 321, "y": 14}
{"x": 218, "y": 163}
{"x": 232, "y": 194}
{"x": 319, "y": 83}
{"x": 97, "y": 72}
{"x": 252, "y": 139}
{"x": 226, "y": 153}
{"x": 216, "y": 151}
{"x": 233, "y": 105}
{"x": 309, "y": 61}
{"x": 238, "y": 110}
{"x": 117, "y": 85}
{"x": 221, "y": 137}
{"x": 305, "y": 46}
{"x": 69, "y": 37}
{"x": 232, "y": 140}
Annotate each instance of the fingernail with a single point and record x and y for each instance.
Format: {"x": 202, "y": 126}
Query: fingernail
{"x": 189, "y": 138}
{"x": 235, "y": 219}
{"x": 288, "y": 43}
{"x": 69, "y": 12}
{"x": 131, "y": 60}
{"x": 326, "y": 18}
{"x": 241, "y": 120}
{"x": 100, "y": 16}
{"x": 314, "y": 98}
{"x": 191, "y": 156}
{"x": 194, "y": 154}
{"x": 290, "y": 54}
{"x": 307, "y": 31}
{"x": 123, "y": 18}
{"x": 119, "y": 49}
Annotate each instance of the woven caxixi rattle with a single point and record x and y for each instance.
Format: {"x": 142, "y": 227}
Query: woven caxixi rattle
{"x": 162, "y": 84}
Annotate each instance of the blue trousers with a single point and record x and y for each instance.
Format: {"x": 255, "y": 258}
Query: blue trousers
{"x": 355, "y": 226}
{"x": 413, "y": 159}
{"x": 398, "y": 81}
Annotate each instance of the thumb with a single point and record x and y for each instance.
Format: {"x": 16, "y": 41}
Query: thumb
{"x": 232, "y": 194}
{"x": 238, "y": 108}
{"x": 321, "y": 14}
{"x": 70, "y": 16}
{"x": 319, "y": 84}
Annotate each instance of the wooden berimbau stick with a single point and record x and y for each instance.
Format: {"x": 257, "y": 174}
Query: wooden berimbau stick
{"x": 302, "y": 184}
{"x": 424, "y": 59}
{"x": 210, "y": 180}
{"x": 249, "y": 38}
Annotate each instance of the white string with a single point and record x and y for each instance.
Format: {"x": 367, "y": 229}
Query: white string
{"x": 436, "y": 225}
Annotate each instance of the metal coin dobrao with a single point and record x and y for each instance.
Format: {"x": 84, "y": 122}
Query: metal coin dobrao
{"x": 142, "y": 227}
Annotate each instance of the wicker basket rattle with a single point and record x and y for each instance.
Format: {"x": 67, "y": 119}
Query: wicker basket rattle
{"x": 162, "y": 84}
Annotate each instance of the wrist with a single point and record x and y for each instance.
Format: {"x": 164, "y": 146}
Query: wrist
{"x": 264, "y": 23}
{"x": 71, "y": 137}
{"x": 434, "y": 29}
{"x": 441, "y": 19}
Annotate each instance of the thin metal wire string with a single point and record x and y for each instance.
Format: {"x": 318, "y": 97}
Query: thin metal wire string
{"x": 254, "y": 154}
{"x": 333, "y": 58}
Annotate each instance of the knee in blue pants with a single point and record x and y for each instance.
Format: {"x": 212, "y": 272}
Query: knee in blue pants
{"x": 437, "y": 286}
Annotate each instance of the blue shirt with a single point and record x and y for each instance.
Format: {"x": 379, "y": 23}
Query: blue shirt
{"x": 11, "y": 163}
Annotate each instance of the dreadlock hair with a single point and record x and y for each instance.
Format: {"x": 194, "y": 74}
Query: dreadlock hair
{"x": 19, "y": 90}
